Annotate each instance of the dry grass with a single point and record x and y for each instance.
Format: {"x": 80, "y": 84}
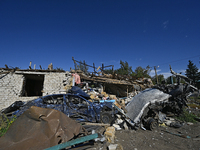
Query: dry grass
{"x": 5, "y": 123}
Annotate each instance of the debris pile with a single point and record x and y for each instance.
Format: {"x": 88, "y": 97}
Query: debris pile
{"x": 120, "y": 86}
{"x": 102, "y": 104}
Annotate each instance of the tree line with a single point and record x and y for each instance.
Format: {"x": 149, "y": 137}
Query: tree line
{"x": 191, "y": 72}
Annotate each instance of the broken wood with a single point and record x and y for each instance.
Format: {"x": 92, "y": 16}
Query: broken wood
{"x": 6, "y": 66}
{"x": 97, "y": 124}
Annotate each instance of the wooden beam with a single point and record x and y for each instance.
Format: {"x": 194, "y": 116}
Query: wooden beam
{"x": 96, "y": 124}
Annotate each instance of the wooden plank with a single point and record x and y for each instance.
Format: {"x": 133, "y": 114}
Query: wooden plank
{"x": 6, "y": 72}
{"x": 196, "y": 139}
{"x": 30, "y": 72}
{"x": 97, "y": 124}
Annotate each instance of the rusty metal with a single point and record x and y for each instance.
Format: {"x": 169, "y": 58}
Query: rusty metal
{"x": 39, "y": 128}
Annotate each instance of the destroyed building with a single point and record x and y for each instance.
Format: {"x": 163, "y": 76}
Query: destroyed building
{"x": 24, "y": 85}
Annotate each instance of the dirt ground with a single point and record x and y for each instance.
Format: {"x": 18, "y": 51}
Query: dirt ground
{"x": 187, "y": 137}
{"x": 160, "y": 139}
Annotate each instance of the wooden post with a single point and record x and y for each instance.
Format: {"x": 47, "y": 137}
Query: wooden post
{"x": 102, "y": 68}
{"x": 30, "y": 65}
{"x": 127, "y": 91}
{"x": 6, "y": 66}
{"x": 84, "y": 66}
{"x": 156, "y": 73}
{"x": 94, "y": 67}
{"x": 74, "y": 63}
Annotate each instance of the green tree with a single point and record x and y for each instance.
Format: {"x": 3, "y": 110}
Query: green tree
{"x": 160, "y": 79}
{"x": 125, "y": 69}
{"x": 108, "y": 71}
{"x": 142, "y": 72}
{"x": 192, "y": 72}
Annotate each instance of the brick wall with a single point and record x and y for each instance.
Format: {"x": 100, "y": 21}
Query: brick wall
{"x": 56, "y": 83}
{"x": 11, "y": 85}
{"x": 10, "y": 88}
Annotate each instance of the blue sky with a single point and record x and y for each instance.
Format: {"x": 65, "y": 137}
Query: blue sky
{"x": 141, "y": 32}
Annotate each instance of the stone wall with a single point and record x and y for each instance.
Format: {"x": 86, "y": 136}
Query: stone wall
{"x": 11, "y": 84}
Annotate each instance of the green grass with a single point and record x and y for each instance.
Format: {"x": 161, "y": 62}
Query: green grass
{"x": 5, "y": 123}
{"x": 187, "y": 117}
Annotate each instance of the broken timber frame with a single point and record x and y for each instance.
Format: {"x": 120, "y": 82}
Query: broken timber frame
{"x": 95, "y": 68}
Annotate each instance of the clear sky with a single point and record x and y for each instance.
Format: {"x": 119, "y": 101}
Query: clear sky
{"x": 141, "y": 32}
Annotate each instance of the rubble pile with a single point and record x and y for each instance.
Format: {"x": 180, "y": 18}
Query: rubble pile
{"x": 106, "y": 104}
{"x": 116, "y": 84}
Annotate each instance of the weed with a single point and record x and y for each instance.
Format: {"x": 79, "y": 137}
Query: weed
{"x": 187, "y": 117}
{"x": 5, "y": 123}
{"x": 195, "y": 99}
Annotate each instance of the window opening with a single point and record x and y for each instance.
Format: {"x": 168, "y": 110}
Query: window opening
{"x": 33, "y": 85}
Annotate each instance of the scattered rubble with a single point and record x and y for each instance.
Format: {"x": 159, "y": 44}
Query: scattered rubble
{"x": 108, "y": 104}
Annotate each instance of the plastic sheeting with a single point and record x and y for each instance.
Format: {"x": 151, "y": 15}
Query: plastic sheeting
{"x": 39, "y": 128}
{"x": 78, "y": 90}
{"x": 138, "y": 104}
